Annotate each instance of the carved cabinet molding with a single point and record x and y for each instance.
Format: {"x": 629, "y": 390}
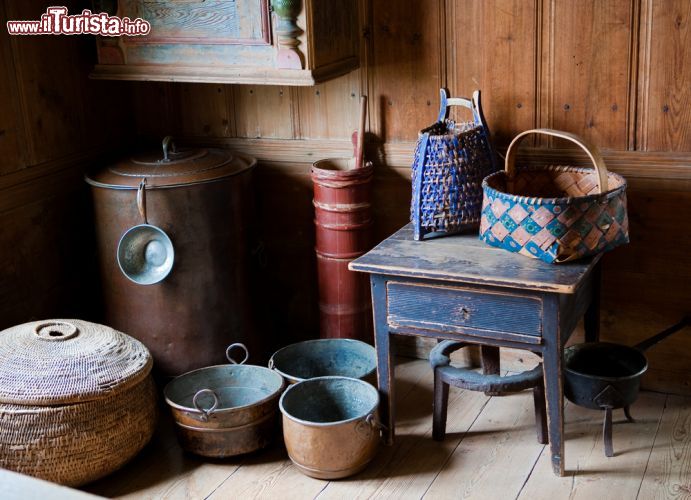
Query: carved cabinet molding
{"x": 276, "y": 42}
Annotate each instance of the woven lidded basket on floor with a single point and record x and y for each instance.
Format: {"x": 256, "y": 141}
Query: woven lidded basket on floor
{"x": 77, "y": 400}
{"x": 451, "y": 159}
{"x": 554, "y": 213}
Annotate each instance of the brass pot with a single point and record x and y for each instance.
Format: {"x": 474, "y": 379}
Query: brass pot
{"x": 330, "y": 426}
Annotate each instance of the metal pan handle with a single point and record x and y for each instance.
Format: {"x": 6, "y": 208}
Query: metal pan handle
{"x": 205, "y": 412}
{"x": 365, "y": 427}
{"x": 241, "y": 346}
{"x": 141, "y": 199}
{"x": 648, "y": 343}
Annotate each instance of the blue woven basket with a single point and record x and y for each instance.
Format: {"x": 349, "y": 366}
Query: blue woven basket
{"x": 555, "y": 213}
{"x": 451, "y": 159}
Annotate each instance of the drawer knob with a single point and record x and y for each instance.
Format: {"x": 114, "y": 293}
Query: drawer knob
{"x": 463, "y": 313}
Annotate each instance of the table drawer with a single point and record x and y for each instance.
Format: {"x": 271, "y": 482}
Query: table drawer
{"x": 457, "y": 309}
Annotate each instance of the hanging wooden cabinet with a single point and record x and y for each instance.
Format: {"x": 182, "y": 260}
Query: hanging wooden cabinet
{"x": 276, "y": 42}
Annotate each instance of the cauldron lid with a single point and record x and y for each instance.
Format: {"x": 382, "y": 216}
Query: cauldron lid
{"x": 170, "y": 169}
{"x": 59, "y": 361}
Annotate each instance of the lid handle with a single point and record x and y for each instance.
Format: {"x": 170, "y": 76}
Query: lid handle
{"x": 167, "y": 143}
{"x": 55, "y": 330}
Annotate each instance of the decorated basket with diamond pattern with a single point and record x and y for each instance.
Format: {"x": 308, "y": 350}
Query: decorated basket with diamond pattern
{"x": 451, "y": 159}
{"x": 554, "y": 213}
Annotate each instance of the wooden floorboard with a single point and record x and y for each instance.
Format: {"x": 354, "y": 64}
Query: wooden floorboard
{"x": 273, "y": 475}
{"x": 406, "y": 469}
{"x": 495, "y": 456}
{"x": 668, "y": 472}
{"x": 490, "y": 451}
{"x": 589, "y": 473}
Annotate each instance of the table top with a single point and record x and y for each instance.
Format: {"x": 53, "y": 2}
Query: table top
{"x": 464, "y": 258}
{"x": 14, "y": 486}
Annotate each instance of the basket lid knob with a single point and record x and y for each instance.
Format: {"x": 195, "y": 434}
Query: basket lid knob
{"x": 56, "y": 330}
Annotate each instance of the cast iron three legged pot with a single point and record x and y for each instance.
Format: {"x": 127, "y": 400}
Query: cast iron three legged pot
{"x": 606, "y": 376}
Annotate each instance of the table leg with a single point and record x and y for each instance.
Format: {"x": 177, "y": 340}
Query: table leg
{"x": 385, "y": 369}
{"x": 490, "y": 363}
{"x": 591, "y": 321}
{"x": 554, "y": 390}
{"x": 439, "y": 407}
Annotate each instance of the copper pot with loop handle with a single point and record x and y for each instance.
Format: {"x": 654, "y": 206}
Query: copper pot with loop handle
{"x": 145, "y": 252}
{"x": 205, "y": 413}
{"x": 331, "y": 425}
{"x": 225, "y": 410}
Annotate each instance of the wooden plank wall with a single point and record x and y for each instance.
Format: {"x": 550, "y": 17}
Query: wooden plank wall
{"x": 616, "y": 71}
{"x": 54, "y": 123}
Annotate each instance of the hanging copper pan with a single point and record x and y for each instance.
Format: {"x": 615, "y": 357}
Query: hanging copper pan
{"x": 145, "y": 252}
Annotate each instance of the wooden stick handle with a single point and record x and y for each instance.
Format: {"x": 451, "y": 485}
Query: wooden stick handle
{"x": 592, "y": 152}
{"x": 359, "y": 150}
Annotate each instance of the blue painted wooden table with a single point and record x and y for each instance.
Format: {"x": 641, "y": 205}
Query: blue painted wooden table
{"x": 456, "y": 287}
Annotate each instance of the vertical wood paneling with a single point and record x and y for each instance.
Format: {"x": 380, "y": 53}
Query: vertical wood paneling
{"x": 586, "y": 68}
{"x": 52, "y": 117}
{"x": 46, "y": 257}
{"x": 406, "y": 68}
{"x": 284, "y": 220}
{"x": 329, "y": 110}
{"x": 665, "y": 76}
{"x": 332, "y": 36}
{"x": 263, "y": 111}
{"x": 153, "y": 115}
{"x": 493, "y": 47}
{"x": 108, "y": 111}
{"x": 202, "y": 109}
{"x": 50, "y": 93}
{"x": 529, "y": 57}
{"x": 11, "y": 124}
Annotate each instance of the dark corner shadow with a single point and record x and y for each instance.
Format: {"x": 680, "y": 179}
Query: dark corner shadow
{"x": 391, "y": 189}
{"x": 159, "y": 461}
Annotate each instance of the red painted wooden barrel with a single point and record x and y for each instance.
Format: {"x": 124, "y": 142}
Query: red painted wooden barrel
{"x": 343, "y": 221}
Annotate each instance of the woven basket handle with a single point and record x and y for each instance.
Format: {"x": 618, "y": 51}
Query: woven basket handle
{"x": 472, "y": 104}
{"x": 592, "y": 152}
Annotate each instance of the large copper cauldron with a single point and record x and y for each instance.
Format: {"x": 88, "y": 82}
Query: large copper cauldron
{"x": 202, "y": 199}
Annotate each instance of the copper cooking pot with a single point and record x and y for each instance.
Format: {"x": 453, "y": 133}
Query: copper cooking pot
{"x": 225, "y": 410}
